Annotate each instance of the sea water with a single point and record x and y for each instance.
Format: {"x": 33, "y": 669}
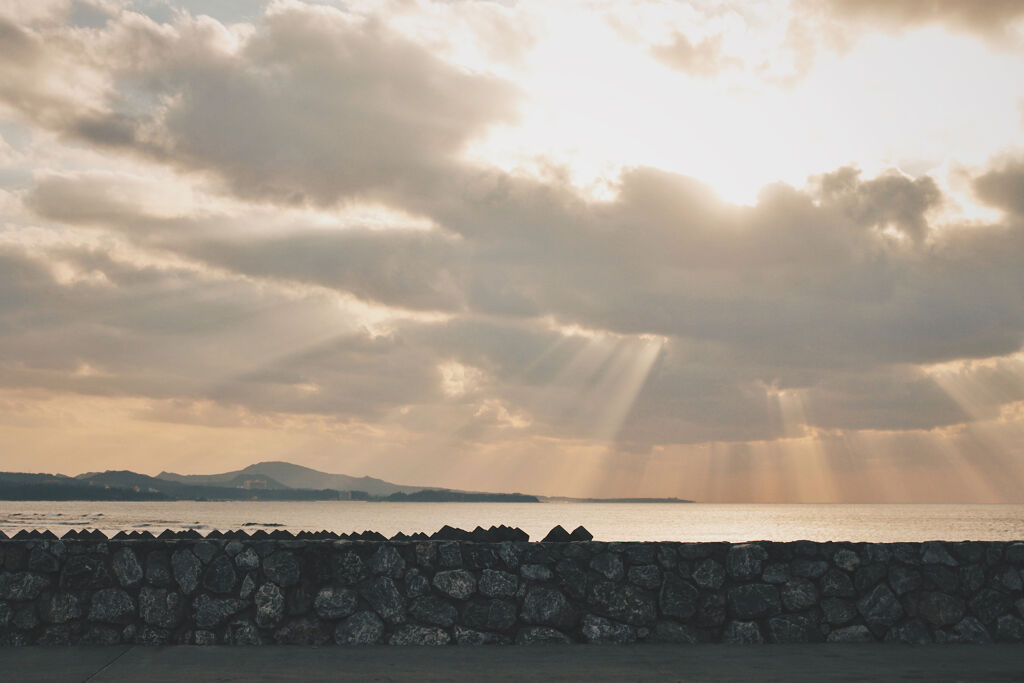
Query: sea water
{"x": 606, "y": 521}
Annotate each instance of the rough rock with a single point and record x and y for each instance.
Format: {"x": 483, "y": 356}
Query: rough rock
{"x": 708, "y": 573}
{"x": 624, "y": 603}
{"x": 60, "y": 609}
{"x": 433, "y": 610}
{"x": 791, "y": 628}
{"x": 939, "y": 609}
{"x": 880, "y": 607}
{"x": 753, "y": 601}
{"x": 837, "y": 611}
{"x": 671, "y": 632}
{"x": 970, "y": 630}
{"x": 492, "y": 615}
{"x": 210, "y": 612}
{"x": 158, "y": 568}
{"x": 646, "y": 576}
{"x": 498, "y": 584}
{"x": 219, "y": 576}
{"x": 677, "y": 598}
{"x": 160, "y": 607}
{"x": 112, "y": 605}
{"x": 281, "y": 568}
{"x": 535, "y": 572}
{"x": 411, "y": 634}
{"x": 835, "y": 583}
{"x": 126, "y": 567}
{"x": 851, "y": 634}
{"x": 247, "y": 559}
{"x": 384, "y": 598}
{"x": 186, "y": 568}
{"x": 334, "y": 602}
{"x": 455, "y": 583}
{"x": 799, "y": 594}
{"x": 1009, "y": 629}
{"x": 600, "y": 630}
{"x": 742, "y": 633}
{"x": 387, "y": 561}
{"x": 744, "y": 561}
{"x": 540, "y": 635}
{"x": 913, "y": 632}
{"x": 548, "y": 606}
{"x": 21, "y": 585}
{"x": 269, "y": 605}
{"x": 304, "y": 631}
{"x": 608, "y": 565}
{"x": 362, "y": 628}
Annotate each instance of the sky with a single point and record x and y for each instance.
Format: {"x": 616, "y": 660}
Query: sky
{"x": 722, "y": 251}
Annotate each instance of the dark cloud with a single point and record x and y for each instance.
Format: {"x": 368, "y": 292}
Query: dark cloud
{"x": 1003, "y": 187}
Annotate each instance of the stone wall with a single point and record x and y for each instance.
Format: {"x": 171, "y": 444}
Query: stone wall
{"x": 246, "y": 592}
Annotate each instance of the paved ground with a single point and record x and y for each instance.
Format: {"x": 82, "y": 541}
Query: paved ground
{"x": 547, "y": 663}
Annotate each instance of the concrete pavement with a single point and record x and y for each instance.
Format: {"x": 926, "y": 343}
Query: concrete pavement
{"x": 548, "y": 663}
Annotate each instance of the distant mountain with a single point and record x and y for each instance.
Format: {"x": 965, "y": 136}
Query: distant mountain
{"x": 287, "y": 475}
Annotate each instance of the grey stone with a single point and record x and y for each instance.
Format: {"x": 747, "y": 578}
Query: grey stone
{"x": 1007, "y": 578}
{"x": 150, "y": 635}
{"x": 1009, "y": 629}
{"x": 498, "y": 584}
{"x": 411, "y": 634}
{"x": 60, "y": 609}
{"x": 233, "y": 547}
{"x": 775, "y": 573}
{"x": 433, "y": 610}
{"x": 204, "y": 550}
{"x": 608, "y": 565}
{"x": 939, "y": 609}
{"x": 334, "y": 602}
{"x": 972, "y": 578}
{"x": 202, "y": 637}
{"x": 449, "y": 554}
{"x": 912, "y": 632}
{"x": 744, "y": 561}
{"x": 799, "y": 594}
{"x": 186, "y": 568}
{"x": 1015, "y": 553}
{"x": 807, "y": 568}
{"x": 671, "y": 632}
{"x": 837, "y": 611}
{"x": 851, "y": 634}
{"x": 426, "y": 554}
{"x": 281, "y": 568}
{"x": 846, "y": 560}
{"x": 455, "y": 583}
{"x": 934, "y": 552}
{"x": 5, "y": 614}
{"x": 970, "y": 630}
{"x": 100, "y": 635}
{"x": 600, "y": 630}
{"x": 41, "y": 561}
{"x": 248, "y": 586}
{"x": 904, "y": 579}
{"x": 242, "y": 633}
{"x": 791, "y": 628}
{"x": 387, "y": 561}
{"x": 468, "y": 636}
{"x": 269, "y": 605}
{"x": 362, "y": 628}
{"x": 836, "y": 583}
{"x": 25, "y": 617}
{"x": 21, "y": 585}
{"x": 247, "y": 559}
{"x": 880, "y": 607}
{"x": 708, "y": 573}
{"x": 416, "y": 584}
{"x": 753, "y": 601}
{"x": 989, "y": 604}
{"x": 160, "y": 607}
{"x": 628, "y": 603}
{"x": 548, "y": 606}
{"x": 868, "y": 576}
{"x": 677, "y": 598}
{"x": 540, "y": 635}
{"x": 347, "y": 568}
{"x": 219, "y": 576}
{"x": 158, "y": 568}
{"x": 304, "y": 631}
{"x": 742, "y": 633}
{"x": 645, "y": 576}
{"x": 210, "y": 612}
{"x": 535, "y": 572}
{"x": 510, "y": 553}
{"x": 384, "y": 598}
{"x": 492, "y": 615}
{"x": 126, "y": 567}
{"x": 112, "y": 605}
{"x": 711, "y": 610}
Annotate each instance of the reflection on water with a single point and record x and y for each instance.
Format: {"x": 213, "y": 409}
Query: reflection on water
{"x": 607, "y": 521}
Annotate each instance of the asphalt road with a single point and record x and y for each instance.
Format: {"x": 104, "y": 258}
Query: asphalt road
{"x": 541, "y": 663}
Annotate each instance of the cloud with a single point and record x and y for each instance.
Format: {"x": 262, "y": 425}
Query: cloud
{"x": 702, "y": 59}
{"x": 1003, "y": 187}
{"x": 988, "y": 17}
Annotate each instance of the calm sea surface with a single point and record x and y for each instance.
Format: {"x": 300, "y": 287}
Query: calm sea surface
{"x": 607, "y": 521}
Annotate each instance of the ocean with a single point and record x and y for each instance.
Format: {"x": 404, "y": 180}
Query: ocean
{"x": 606, "y": 521}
